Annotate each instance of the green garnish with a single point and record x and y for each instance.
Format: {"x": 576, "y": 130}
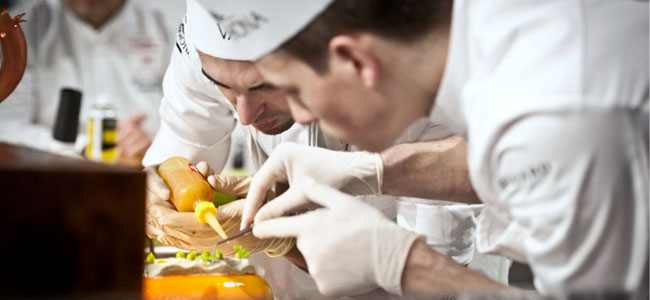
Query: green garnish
{"x": 180, "y": 254}
{"x": 191, "y": 255}
{"x": 218, "y": 255}
{"x": 205, "y": 255}
{"x": 150, "y": 258}
{"x": 221, "y": 199}
{"x": 241, "y": 253}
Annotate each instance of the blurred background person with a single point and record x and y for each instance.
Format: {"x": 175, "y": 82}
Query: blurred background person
{"x": 7, "y": 3}
{"x": 114, "y": 51}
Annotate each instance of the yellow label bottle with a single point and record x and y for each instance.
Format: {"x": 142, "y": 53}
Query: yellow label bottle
{"x": 101, "y": 132}
{"x": 187, "y": 185}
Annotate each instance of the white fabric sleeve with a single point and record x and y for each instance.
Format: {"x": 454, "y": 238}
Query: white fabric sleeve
{"x": 256, "y": 153}
{"x": 196, "y": 120}
{"x": 426, "y": 130}
{"x": 449, "y": 227}
{"x": 574, "y": 187}
{"x": 16, "y": 117}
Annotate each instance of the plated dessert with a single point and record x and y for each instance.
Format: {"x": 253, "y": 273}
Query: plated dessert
{"x": 203, "y": 276}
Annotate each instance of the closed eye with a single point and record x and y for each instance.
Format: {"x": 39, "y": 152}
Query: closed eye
{"x": 263, "y": 86}
{"x": 292, "y": 91}
{"x": 213, "y": 80}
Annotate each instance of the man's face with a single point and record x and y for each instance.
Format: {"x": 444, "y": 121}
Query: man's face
{"x": 342, "y": 104}
{"x": 94, "y": 11}
{"x": 257, "y": 103}
{"x": 372, "y": 90}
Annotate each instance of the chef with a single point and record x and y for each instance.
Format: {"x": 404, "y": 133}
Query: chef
{"x": 204, "y": 95}
{"x": 550, "y": 96}
{"x": 117, "y": 50}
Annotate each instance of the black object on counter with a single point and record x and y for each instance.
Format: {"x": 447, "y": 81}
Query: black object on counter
{"x": 67, "y": 116}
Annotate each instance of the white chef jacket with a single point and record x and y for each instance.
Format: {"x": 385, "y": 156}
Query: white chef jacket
{"x": 197, "y": 121}
{"x": 124, "y": 61}
{"x": 552, "y": 97}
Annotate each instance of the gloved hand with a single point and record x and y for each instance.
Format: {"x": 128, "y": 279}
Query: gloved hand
{"x": 182, "y": 229}
{"x": 356, "y": 173}
{"x": 349, "y": 246}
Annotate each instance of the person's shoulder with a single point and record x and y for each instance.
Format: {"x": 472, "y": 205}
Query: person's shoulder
{"x": 41, "y": 18}
{"x": 169, "y": 11}
{"x": 37, "y": 11}
{"x": 185, "y": 60}
{"x": 28, "y": 6}
{"x": 183, "y": 45}
{"x": 520, "y": 153}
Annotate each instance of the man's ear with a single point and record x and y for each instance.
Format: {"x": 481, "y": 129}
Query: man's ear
{"x": 353, "y": 54}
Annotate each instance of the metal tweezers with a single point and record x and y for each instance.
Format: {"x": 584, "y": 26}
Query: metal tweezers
{"x": 246, "y": 230}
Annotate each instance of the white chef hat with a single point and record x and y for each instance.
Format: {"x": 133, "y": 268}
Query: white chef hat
{"x": 247, "y": 29}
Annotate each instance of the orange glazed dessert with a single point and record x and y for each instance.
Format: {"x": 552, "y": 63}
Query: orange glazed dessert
{"x": 203, "y": 277}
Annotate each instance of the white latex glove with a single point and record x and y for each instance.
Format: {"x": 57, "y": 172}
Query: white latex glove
{"x": 349, "y": 246}
{"x": 356, "y": 173}
{"x": 182, "y": 230}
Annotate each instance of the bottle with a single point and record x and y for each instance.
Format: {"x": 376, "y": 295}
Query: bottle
{"x": 190, "y": 191}
{"x": 66, "y": 126}
{"x": 101, "y": 130}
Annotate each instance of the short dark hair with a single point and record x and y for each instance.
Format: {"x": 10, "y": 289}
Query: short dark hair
{"x": 402, "y": 20}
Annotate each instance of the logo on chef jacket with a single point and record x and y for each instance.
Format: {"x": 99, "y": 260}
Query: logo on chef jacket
{"x": 238, "y": 27}
{"x": 181, "y": 44}
{"x": 145, "y": 60}
{"x": 526, "y": 176}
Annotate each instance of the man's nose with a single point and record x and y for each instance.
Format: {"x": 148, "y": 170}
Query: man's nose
{"x": 248, "y": 109}
{"x": 300, "y": 113}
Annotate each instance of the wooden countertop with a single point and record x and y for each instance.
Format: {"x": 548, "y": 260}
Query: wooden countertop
{"x": 69, "y": 226}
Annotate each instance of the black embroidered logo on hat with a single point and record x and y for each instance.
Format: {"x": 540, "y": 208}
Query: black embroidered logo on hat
{"x": 234, "y": 28}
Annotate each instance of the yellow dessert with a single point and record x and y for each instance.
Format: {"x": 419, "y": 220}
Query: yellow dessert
{"x": 203, "y": 277}
{"x": 222, "y": 287}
